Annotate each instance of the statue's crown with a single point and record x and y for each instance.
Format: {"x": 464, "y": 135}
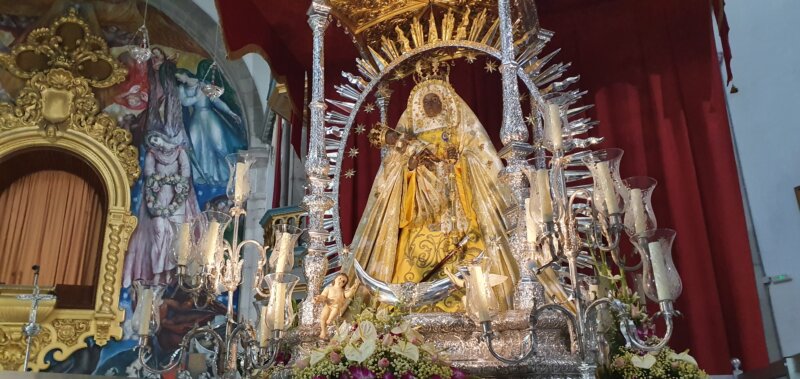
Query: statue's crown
{"x": 431, "y": 69}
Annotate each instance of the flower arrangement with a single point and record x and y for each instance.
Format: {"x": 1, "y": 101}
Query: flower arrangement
{"x": 627, "y": 363}
{"x": 665, "y": 364}
{"x": 376, "y": 346}
{"x": 154, "y": 184}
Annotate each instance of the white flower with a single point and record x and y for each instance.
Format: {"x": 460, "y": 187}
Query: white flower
{"x": 683, "y": 357}
{"x": 407, "y": 350}
{"x": 644, "y": 362}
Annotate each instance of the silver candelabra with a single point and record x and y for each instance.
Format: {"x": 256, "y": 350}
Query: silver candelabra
{"x": 572, "y": 229}
{"x": 208, "y": 265}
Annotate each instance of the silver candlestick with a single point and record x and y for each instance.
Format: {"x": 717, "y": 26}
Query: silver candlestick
{"x": 31, "y": 329}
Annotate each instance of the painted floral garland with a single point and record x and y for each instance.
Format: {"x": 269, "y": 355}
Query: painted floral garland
{"x": 153, "y": 185}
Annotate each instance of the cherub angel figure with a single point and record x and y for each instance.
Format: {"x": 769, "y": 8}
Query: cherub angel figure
{"x": 335, "y": 297}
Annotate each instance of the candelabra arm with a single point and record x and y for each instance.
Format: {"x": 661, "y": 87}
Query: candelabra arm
{"x": 611, "y": 232}
{"x": 186, "y": 287}
{"x": 488, "y": 335}
{"x": 178, "y": 355}
{"x": 144, "y": 349}
{"x": 621, "y": 263}
{"x": 270, "y": 354}
{"x": 629, "y": 330}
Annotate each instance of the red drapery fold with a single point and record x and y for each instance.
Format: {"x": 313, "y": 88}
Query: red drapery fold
{"x": 651, "y": 69}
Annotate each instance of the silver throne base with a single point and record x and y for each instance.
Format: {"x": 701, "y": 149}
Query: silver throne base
{"x": 459, "y": 337}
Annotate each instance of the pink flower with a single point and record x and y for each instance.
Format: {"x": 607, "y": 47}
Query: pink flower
{"x": 458, "y": 374}
{"x": 361, "y": 373}
{"x": 619, "y": 362}
{"x": 408, "y": 375}
{"x": 335, "y": 357}
{"x": 383, "y": 363}
{"x": 387, "y": 375}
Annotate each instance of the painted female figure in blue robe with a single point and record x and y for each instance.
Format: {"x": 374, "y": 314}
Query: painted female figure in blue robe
{"x": 213, "y": 130}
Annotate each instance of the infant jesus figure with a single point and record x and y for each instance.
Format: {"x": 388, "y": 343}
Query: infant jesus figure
{"x": 335, "y": 297}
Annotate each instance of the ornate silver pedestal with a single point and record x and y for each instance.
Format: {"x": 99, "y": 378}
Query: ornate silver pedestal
{"x": 459, "y": 338}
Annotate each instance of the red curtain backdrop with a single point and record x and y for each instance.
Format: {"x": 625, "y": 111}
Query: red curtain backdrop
{"x": 651, "y": 70}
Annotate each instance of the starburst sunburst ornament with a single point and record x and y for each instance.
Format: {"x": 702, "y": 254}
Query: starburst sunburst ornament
{"x": 349, "y": 173}
{"x": 490, "y": 66}
{"x": 360, "y": 128}
{"x": 470, "y": 57}
{"x": 353, "y": 152}
{"x": 530, "y": 120}
{"x": 383, "y": 90}
{"x": 369, "y": 107}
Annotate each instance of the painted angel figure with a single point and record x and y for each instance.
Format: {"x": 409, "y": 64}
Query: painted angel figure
{"x": 335, "y": 297}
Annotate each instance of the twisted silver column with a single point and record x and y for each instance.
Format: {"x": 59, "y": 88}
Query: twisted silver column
{"x": 317, "y": 201}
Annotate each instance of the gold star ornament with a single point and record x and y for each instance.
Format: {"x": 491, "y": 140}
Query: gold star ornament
{"x": 353, "y": 152}
{"x": 369, "y": 107}
{"x": 360, "y": 128}
{"x": 490, "y": 67}
{"x": 349, "y": 173}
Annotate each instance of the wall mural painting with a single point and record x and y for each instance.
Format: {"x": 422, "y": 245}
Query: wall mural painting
{"x": 183, "y": 137}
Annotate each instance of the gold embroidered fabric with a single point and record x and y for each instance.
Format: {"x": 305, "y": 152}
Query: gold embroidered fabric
{"x": 403, "y": 232}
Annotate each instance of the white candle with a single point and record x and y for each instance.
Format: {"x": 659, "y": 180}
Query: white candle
{"x": 278, "y": 302}
{"x": 530, "y": 228}
{"x": 660, "y": 272}
{"x": 263, "y": 327}
{"x": 284, "y": 249}
{"x": 637, "y": 205}
{"x": 212, "y": 237}
{"x": 146, "y": 307}
{"x": 604, "y": 177}
{"x": 241, "y": 185}
{"x": 479, "y": 283}
{"x": 543, "y": 182}
{"x": 552, "y": 126}
{"x": 184, "y": 241}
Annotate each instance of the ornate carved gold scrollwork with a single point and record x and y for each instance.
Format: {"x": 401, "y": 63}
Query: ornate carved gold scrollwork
{"x": 68, "y": 44}
{"x": 56, "y": 109}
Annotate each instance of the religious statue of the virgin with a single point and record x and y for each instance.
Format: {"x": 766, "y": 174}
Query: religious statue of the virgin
{"x": 436, "y": 201}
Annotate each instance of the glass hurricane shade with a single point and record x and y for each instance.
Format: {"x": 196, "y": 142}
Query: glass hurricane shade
{"x": 146, "y": 318}
{"x": 183, "y": 241}
{"x": 238, "y": 189}
{"x": 639, "y": 215}
{"x": 282, "y": 258}
{"x": 279, "y": 314}
{"x": 211, "y": 226}
{"x": 660, "y": 277}
{"x": 604, "y": 167}
{"x": 553, "y": 117}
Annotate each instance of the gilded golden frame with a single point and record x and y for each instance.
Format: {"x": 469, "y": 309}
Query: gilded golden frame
{"x": 58, "y": 110}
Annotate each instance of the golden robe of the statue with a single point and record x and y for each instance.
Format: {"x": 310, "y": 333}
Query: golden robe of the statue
{"x": 437, "y": 184}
